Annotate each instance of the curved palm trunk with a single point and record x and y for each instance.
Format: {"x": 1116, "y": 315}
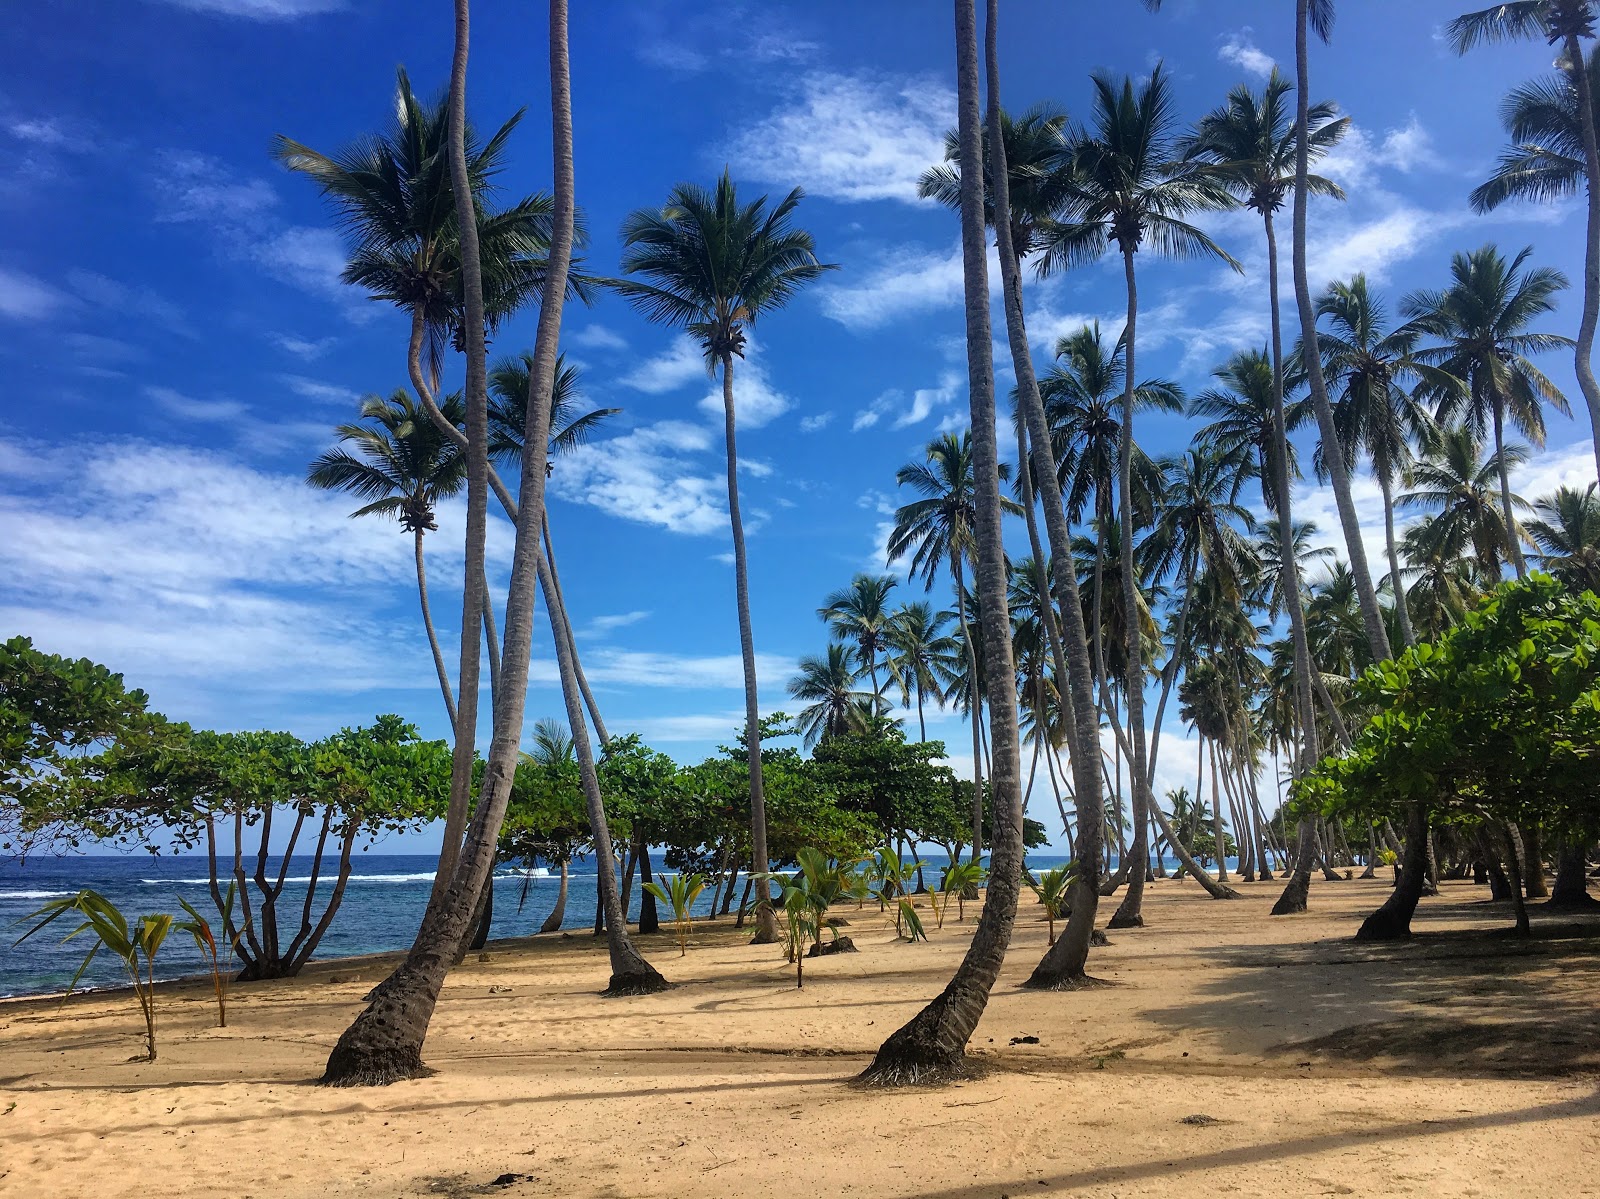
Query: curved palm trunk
{"x": 1396, "y": 580}
{"x": 384, "y": 1043}
{"x": 1298, "y": 888}
{"x": 552, "y": 922}
{"x": 572, "y": 645}
{"x": 933, "y": 1044}
{"x": 1371, "y": 614}
{"x": 976, "y": 700}
{"x": 433, "y": 637}
{"x": 1584, "y": 355}
{"x": 1130, "y": 913}
{"x": 766, "y": 921}
{"x": 1513, "y": 546}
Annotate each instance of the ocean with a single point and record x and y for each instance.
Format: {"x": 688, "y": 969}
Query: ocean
{"x": 381, "y": 910}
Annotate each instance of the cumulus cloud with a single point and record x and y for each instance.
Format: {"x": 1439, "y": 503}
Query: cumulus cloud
{"x": 816, "y": 422}
{"x": 655, "y": 475}
{"x": 903, "y": 281}
{"x": 1239, "y": 49}
{"x": 848, "y": 137}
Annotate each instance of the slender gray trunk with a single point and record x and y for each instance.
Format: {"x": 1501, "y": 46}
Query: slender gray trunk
{"x": 552, "y": 922}
{"x": 1338, "y": 472}
{"x": 933, "y": 1044}
{"x": 1513, "y": 538}
{"x": 572, "y": 645}
{"x": 1584, "y": 355}
{"x": 766, "y": 921}
{"x": 433, "y": 638}
{"x": 1396, "y": 580}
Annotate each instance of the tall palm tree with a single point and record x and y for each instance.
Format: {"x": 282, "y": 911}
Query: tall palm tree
{"x": 828, "y": 685}
{"x": 1566, "y": 130}
{"x": 1443, "y": 584}
{"x": 385, "y": 1041}
{"x": 404, "y": 466}
{"x": 1375, "y": 415}
{"x": 932, "y": 1045}
{"x": 860, "y": 613}
{"x": 1269, "y": 548}
{"x": 1256, "y": 146}
{"x": 939, "y": 531}
{"x": 1458, "y": 487}
{"x": 1567, "y": 532}
{"x": 709, "y": 265}
{"x": 1129, "y": 186}
{"x": 1482, "y": 323}
{"x": 921, "y": 656}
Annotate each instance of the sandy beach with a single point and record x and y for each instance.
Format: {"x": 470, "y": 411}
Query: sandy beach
{"x": 1233, "y": 1054}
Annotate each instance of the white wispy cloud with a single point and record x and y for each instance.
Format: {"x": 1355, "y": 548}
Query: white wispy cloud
{"x": 756, "y": 400}
{"x": 599, "y": 625}
{"x": 677, "y": 366}
{"x": 849, "y": 137}
{"x": 655, "y": 475}
{"x": 733, "y": 36}
{"x": 304, "y": 348}
{"x": 1239, "y": 49}
{"x": 816, "y": 422}
{"x": 123, "y": 300}
{"x": 323, "y": 393}
{"x": 26, "y": 298}
{"x": 597, "y": 337}
{"x": 901, "y": 411}
{"x": 260, "y": 10}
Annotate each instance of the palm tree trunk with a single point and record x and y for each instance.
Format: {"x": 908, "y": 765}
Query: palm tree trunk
{"x": 552, "y": 922}
{"x": 766, "y": 922}
{"x": 572, "y": 645}
{"x": 1396, "y": 580}
{"x": 976, "y": 705}
{"x": 1513, "y": 546}
{"x": 1591, "y": 255}
{"x": 1216, "y": 819}
{"x": 385, "y": 1041}
{"x": 922, "y": 724}
{"x": 933, "y": 1044}
{"x": 1130, "y": 912}
{"x": 1355, "y": 548}
{"x": 491, "y": 642}
{"x": 433, "y": 638}
{"x": 1298, "y": 888}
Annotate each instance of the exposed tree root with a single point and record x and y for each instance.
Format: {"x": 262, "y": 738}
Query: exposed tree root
{"x": 1070, "y": 982}
{"x": 637, "y": 982}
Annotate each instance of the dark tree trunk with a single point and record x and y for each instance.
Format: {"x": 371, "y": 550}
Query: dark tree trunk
{"x": 1392, "y": 921}
{"x": 1533, "y": 861}
{"x": 552, "y": 922}
{"x": 649, "y": 918}
{"x": 480, "y": 937}
{"x": 1572, "y": 882}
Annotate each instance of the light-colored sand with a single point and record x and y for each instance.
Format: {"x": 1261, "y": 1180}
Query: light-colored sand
{"x": 1459, "y": 1064}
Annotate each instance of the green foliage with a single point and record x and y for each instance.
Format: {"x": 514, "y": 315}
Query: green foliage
{"x": 679, "y": 895}
{"x": 129, "y": 944}
{"x": 1499, "y": 719}
{"x": 53, "y": 709}
{"x": 805, "y": 897}
{"x": 959, "y": 879}
{"x": 205, "y": 941}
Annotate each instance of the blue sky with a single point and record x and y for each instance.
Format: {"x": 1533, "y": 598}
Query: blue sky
{"x": 177, "y": 345}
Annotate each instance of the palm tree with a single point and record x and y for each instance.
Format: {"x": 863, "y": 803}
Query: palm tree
{"x": 1567, "y": 533}
{"x": 932, "y": 1045}
{"x": 860, "y": 613}
{"x": 1457, "y": 486}
{"x": 1244, "y": 412}
{"x": 711, "y": 266}
{"x": 938, "y": 531}
{"x": 404, "y": 466}
{"x": 1252, "y": 142}
{"x": 1128, "y": 186}
{"x": 1269, "y": 560}
{"x": 1443, "y": 584}
{"x": 385, "y": 1041}
{"x": 1035, "y": 144}
{"x": 828, "y": 685}
{"x": 1566, "y": 129}
{"x": 1482, "y": 323}
{"x": 1375, "y": 415}
{"x": 921, "y": 656}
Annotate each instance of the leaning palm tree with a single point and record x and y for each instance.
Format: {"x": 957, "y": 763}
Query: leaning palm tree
{"x": 1564, "y": 121}
{"x": 1375, "y": 415}
{"x": 828, "y": 686}
{"x": 709, "y": 265}
{"x": 921, "y": 656}
{"x": 932, "y": 1044}
{"x": 1567, "y": 532}
{"x": 1482, "y": 324}
{"x": 860, "y": 613}
{"x": 402, "y": 465}
{"x": 1129, "y": 186}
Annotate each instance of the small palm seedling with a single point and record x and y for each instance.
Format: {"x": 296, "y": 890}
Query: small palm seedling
{"x": 198, "y": 927}
{"x": 1052, "y": 888}
{"x": 679, "y": 894}
{"x": 960, "y": 879}
{"x": 131, "y": 945}
{"x": 888, "y": 877}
